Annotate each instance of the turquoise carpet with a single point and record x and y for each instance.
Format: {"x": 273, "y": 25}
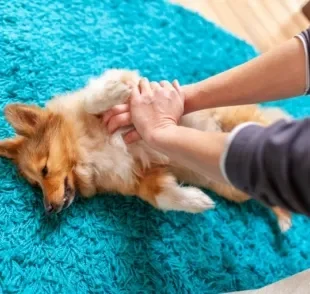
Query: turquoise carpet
{"x": 113, "y": 244}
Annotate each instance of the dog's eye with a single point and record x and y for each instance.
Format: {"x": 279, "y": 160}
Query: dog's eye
{"x": 44, "y": 171}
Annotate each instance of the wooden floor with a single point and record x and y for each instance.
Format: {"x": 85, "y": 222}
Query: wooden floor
{"x": 263, "y": 23}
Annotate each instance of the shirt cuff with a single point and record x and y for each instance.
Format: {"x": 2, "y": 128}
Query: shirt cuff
{"x": 228, "y": 143}
{"x": 304, "y": 43}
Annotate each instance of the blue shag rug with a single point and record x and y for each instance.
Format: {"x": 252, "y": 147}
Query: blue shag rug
{"x": 113, "y": 244}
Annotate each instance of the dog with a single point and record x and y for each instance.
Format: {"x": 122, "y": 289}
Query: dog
{"x": 64, "y": 148}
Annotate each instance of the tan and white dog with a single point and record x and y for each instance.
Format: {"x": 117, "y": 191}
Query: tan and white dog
{"x": 64, "y": 148}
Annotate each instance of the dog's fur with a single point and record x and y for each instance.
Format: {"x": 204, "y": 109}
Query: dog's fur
{"x": 64, "y": 148}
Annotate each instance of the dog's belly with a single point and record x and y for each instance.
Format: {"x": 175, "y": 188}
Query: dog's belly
{"x": 114, "y": 165}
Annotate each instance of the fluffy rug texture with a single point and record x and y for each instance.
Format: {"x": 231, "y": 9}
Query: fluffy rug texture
{"x": 113, "y": 244}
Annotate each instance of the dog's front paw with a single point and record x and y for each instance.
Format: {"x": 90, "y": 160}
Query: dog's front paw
{"x": 110, "y": 89}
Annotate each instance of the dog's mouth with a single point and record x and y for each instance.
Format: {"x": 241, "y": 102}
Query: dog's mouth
{"x": 68, "y": 200}
{"x": 69, "y": 195}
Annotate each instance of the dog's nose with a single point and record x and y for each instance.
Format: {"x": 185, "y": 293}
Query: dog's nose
{"x": 52, "y": 208}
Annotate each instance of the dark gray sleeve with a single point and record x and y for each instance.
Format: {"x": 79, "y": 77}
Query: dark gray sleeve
{"x": 272, "y": 164}
{"x": 304, "y": 36}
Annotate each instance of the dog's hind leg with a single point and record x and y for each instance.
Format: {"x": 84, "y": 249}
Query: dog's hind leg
{"x": 231, "y": 193}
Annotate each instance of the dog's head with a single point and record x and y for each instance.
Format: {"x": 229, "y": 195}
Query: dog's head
{"x": 43, "y": 151}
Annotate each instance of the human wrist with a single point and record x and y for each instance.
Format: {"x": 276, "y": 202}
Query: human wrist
{"x": 159, "y": 138}
{"x": 199, "y": 95}
{"x": 190, "y": 92}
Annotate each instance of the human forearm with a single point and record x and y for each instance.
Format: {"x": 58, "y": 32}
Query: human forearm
{"x": 198, "y": 150}
{"x": 278, "y": 74}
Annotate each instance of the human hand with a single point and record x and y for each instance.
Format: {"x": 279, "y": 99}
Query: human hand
{"x": 152, "y": 108}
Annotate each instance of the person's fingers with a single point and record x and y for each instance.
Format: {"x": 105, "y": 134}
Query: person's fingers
{"x": 145, "y": 87}
{"x": 131, "y": 137}
{"x": 118, "y": 109}
{"x": 177, "y": 86}
{"x": 118, "y": 121}
{"x": 155, "y": 86}
{"x": 166, "y": 85}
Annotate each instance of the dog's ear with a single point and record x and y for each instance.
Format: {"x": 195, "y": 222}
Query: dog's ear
{"x": 24, "y": 118}
{"x": 9, "y": 148}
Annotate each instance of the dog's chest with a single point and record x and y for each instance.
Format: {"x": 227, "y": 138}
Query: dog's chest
{"x": 108, "y": 160}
